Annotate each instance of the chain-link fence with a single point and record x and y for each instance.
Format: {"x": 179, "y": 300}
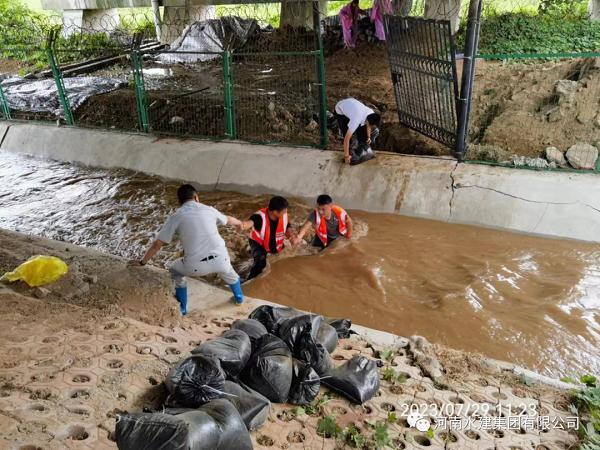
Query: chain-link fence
{"x": 251, "y": 72}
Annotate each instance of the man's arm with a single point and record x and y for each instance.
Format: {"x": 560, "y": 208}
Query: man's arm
{"x": 303, "y": 230}
{"x": 349, "y": 227}
{"x": 242, "y": 225}
{"x": 347, "y": 140}
{"x": 290, "y": 233}
{"x": 150, "y": 253}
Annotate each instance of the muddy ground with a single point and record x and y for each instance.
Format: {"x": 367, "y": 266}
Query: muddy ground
{"x": 275, "y": 99}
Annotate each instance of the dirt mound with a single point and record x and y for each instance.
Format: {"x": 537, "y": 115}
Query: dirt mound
{"x": 140, "y": 294}
{"x": 521, "y": 108}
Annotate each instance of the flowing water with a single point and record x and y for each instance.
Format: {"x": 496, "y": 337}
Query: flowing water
{"x": 513, "y": 297}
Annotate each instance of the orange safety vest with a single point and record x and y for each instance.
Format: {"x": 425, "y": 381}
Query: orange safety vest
{"x": 263, "y": 237}
{"x": 321, "y": 223}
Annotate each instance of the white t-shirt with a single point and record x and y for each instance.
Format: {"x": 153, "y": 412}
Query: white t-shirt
{"x": 355, "y": 111}
{"x": 196, "y": 226}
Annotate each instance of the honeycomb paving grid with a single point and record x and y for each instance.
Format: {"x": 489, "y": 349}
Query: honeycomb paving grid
{"x": 72, "y": 384}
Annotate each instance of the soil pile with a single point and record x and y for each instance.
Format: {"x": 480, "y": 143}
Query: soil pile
{"x": 142, "y": 295}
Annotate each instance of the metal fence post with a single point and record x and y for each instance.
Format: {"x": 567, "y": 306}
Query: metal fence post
{"x": 230, "y": 131}
{"x": 4, "y": 105}
{"x": 468, "y": 76}
{"x": 322, "y": 78}
{"x": 60, "y": 86}
{"x": 140, "y": 91}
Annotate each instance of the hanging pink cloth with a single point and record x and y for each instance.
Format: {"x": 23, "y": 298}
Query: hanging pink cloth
{"x": 380, "y": 7}
{"x": 349, "y": 21}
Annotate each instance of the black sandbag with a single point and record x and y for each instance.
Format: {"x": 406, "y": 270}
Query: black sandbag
{"x": 342, "y": 326}
{"x": 151, "y": 432}
{"x": 232, "y": 349}
{"x": 253, "y": 328}
{"x": 270, "y": 316}
{"x": 253, "y": 407}
{"x": 194, "y": 381}
{"x": 269, "y": 370}
{"x": 214, "y": 426}
{"x": 356, "y": 379}
{"x": 314, "y": 354}
{"x": 290, "y": 330}
{"x": 305, "y": 384}
{"x": 327, "y": 336}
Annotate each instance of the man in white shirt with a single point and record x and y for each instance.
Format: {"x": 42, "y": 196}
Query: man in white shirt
{"x": 204, "y": 251}
{"x": 360, "y": 121}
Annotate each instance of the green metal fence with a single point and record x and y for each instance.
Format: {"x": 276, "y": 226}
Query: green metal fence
{"x": 233, "y": 72}
{"x": 522, "y": 29}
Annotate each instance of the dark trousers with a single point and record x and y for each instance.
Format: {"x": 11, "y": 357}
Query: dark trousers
{"x": 259, "y": 255}
{"x": 319, "y": 243}
{"x": 360, "y": 133}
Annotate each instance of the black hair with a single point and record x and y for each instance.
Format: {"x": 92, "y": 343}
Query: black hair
{"x": 374, "y": 119}
{"x": 324, "y": 199}
{"x": 186, "y": 192}
{"x": 278, "y": 203}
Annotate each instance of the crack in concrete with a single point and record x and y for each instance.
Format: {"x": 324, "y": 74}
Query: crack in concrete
{"x": 453, "y": 187}
{"x": 221, "y": 170}
{"x": 4, "y": 135}
{"x": 541, "y": 202}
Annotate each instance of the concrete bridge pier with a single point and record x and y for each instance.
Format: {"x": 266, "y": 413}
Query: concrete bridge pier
{"x": 178, "y": 16}
{"x": 75, "y": 20}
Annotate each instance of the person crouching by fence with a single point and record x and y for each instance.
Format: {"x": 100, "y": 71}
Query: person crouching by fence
{"x": 380, "y": 7}
{"x": 329, "y": 221}
{"x": 204, "y": 251}
{"x": 359, "y": 126}
{"x": 271, "y": 227}
{"x": 349, "y": 16}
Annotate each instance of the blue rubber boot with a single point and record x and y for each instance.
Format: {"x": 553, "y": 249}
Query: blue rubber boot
{"x": 181, "y": 296}
{"x": 238, "y": 295}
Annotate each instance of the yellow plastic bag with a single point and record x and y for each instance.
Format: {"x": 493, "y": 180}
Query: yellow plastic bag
{"x": 38, "y": 270}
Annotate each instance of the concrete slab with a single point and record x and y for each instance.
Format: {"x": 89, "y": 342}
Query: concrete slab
{"x": 555, "y": 204}
{"x": 195, "y": 161}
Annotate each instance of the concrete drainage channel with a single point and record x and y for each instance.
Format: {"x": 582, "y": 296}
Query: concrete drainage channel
{"x": 542, "y": 203}
{"x": 411, "y": 372}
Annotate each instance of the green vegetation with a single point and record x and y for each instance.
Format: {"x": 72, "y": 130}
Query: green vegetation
{"x": 23, "y": 34}
{"x": 389, "y": 374}
{"x": 586, "y": 404}
{"x": 548, "y": 26}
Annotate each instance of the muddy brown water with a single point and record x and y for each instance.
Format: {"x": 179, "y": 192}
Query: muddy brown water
{"x": 525, "y": 299}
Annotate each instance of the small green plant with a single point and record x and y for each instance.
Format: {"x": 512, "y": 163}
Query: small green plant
{"x": 388, "y": 354}
{"x": 353, "y": 437}
{"x": 586, "y": 404}
{"x": 316, "y": 406}
{"x": 589, "y": 380}
{"x": 298, "y": 411}
{"x": 328, "y": 427}
{"x": 381, "y": 436}
{"x": 392, "y": 417}
{"x": 390, "y": 375}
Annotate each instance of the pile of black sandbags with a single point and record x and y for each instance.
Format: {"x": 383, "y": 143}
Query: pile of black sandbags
{"x": 225, "y": 388}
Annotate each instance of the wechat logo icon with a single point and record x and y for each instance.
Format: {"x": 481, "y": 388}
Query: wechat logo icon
{"x": 416, "y": 419}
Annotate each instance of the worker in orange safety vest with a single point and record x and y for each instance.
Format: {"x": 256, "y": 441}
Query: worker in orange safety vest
{"x": 329, "y": 221}
{"x": 271, "y": 227}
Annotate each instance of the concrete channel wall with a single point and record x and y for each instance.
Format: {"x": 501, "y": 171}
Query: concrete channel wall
{"x": 555, "y": 204}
